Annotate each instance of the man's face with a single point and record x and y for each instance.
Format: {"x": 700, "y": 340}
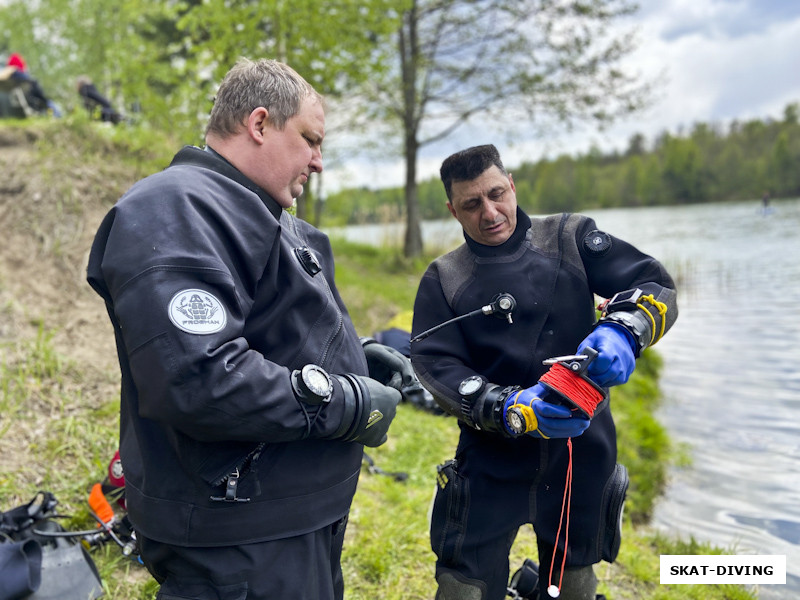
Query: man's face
{"x": 485, "y": 206}
{"x": 290, "y": 155}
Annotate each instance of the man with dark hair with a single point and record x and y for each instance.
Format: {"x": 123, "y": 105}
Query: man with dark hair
{"x": 513, "y": 464}
{"x": 247, "y": 397}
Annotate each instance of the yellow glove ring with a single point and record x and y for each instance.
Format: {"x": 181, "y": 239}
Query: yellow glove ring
{"x": 522, "y": 419}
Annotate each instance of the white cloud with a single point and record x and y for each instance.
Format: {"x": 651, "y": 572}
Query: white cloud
{"x": 714, "y": 75}
{"x": 723, "y": 60}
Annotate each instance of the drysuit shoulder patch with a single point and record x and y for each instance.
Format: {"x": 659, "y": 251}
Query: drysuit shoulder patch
{"x": 597, "y": 242}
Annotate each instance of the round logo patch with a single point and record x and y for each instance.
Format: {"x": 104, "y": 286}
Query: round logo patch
{"x": 197, "y": 311}
{"x": 597, "y": 242}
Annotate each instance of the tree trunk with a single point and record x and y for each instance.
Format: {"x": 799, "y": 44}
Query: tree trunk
{"x": 413, "y": 239}
{"x": 319, "y": 202}
{"x": 301, "y": 204}
{"x": 409, "y": 63}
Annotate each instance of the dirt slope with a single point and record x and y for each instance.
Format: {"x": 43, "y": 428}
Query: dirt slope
{"x": 49, "y": 211}
{"x": 52, "y": 200}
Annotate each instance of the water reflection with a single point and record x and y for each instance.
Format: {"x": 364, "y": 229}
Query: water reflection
{"x": 731, "y": 380}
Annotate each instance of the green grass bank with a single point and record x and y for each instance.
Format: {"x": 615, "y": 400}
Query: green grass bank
{"x": 59, "y": 381}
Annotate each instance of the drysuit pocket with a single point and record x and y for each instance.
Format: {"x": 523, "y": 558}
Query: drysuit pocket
{"x": 232, "y": 473}
{"x": 215, "y": 461}
{"x": 449, "y": 516}
{"x": 613, "y": 504}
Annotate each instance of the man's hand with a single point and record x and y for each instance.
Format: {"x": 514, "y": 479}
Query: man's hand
{"x": 615, "y": 359}
{"x": 392, "y": 368}
{"x": 369, "y": 408}
{"x": 379, "y": 410}
{"x": 543, "y": 419}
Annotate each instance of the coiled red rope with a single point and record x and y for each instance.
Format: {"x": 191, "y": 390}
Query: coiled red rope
{"x": 585, "y": 396}
{"x": 579, "y": 391}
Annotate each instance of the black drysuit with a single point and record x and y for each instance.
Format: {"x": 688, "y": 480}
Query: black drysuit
{"x": 216, "y": 294}
{"x": 553, "y": 267}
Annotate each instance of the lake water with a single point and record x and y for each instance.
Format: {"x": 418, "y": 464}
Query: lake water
{"x": 731, "y": 378}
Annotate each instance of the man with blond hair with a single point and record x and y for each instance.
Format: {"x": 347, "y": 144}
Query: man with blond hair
{"x": 246, "y": 392}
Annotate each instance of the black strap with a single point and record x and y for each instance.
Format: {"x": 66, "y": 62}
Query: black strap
{"x": 41, "y": 506}
{"x": 373, "y": 468}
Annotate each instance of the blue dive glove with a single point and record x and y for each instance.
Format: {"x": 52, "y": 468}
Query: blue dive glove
{"x": 615, "y": 358}
{"x": 541, "y": 419}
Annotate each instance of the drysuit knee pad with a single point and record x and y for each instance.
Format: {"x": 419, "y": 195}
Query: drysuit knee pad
{"x": 453, "y": 586}
{"x": 579, "y": 583}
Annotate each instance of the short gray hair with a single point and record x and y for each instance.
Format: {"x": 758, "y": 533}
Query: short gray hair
{"x": 250, "y": 84}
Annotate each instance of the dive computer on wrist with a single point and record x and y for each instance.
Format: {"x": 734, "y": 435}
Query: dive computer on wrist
{"x": 312, "y": 384}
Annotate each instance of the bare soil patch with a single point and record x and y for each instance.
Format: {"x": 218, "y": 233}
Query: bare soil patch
{"x": 51, "y": 203}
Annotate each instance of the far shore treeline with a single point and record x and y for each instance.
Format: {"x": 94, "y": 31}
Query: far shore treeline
{"x": 708, "y": 163}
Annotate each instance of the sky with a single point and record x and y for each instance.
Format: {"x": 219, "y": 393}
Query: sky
{"x": 721, "y": 60}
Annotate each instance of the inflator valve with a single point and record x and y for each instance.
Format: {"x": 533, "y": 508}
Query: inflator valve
{"x": 502, "y": 306}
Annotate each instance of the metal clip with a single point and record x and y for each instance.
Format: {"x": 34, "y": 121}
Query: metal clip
{"x": 231, "y": 489}
{"x": 577, "y": 363}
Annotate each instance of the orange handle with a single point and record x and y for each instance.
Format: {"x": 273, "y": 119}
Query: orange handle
{"x": 99, "y": 504}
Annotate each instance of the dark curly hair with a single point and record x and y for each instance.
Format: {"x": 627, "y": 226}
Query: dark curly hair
{"x": 468, "y": 164}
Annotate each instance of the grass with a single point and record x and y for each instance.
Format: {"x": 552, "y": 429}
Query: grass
{"x": 376, "y": 283}
{"x": 30, "y": 375}
{"x": 59, "y": 426}
{"x": 643, "y": 445}
{"x": 387, "y": 553}
{"x": 63, "y": 439}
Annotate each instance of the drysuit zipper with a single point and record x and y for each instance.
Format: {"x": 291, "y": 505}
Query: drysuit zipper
{"x": 231, "y": 480}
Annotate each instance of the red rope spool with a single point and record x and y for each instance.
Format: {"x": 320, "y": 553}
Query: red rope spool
{"x": 578, "y": 391}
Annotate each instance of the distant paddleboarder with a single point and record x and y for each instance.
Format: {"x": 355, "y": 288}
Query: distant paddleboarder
{"x": 766, "y": 209}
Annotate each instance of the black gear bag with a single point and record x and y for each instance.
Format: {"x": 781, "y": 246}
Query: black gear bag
{"x": 39, "y": 560}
